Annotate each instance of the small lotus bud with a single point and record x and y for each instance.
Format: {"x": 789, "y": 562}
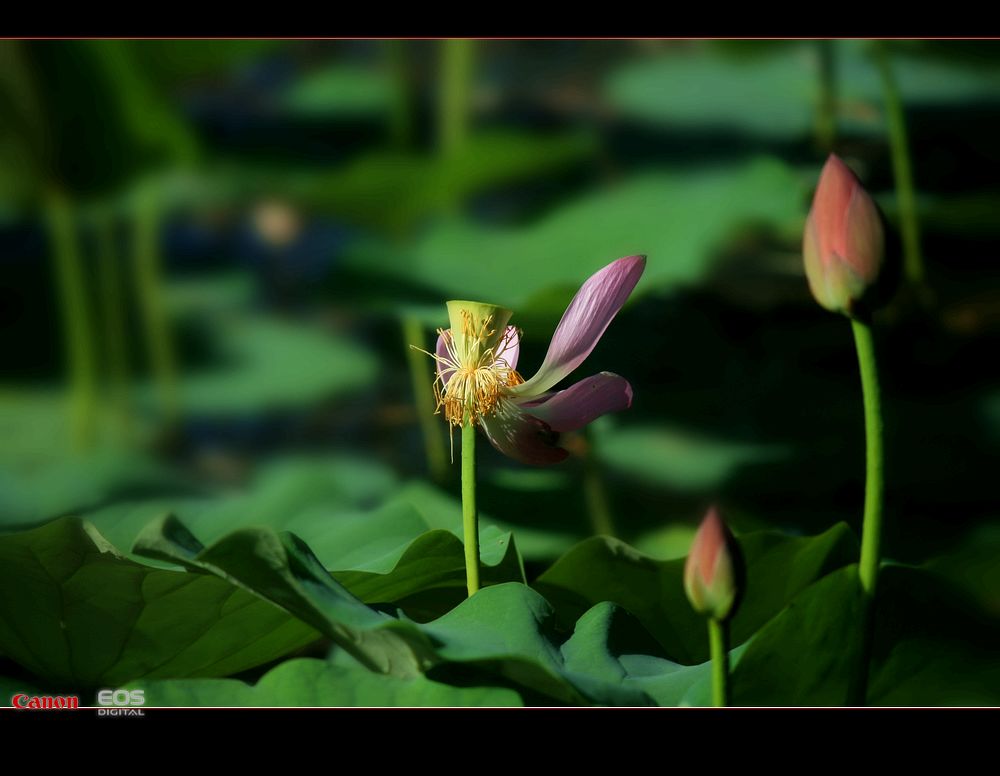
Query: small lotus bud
{"x": 844, "y": 243}
{"x": 713, "y": 574}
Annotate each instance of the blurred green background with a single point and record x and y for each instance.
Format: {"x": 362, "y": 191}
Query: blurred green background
{"x": 215, "y": 254}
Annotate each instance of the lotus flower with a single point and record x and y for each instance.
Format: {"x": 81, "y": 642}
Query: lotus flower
{"x": 714, "y": 569}
{"x": 478, "y": 382}
{"x": 844, "y": 243}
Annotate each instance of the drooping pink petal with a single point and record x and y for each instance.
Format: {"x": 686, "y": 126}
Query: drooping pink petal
{"x": 585, "y": 320}
{"x": 509, "y": 349}
{"x": 583, "y": 402}
{"x": 521, "y": 436}
{"x": 442, "y": 353}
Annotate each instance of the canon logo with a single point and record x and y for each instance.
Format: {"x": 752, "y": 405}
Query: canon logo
{"x": 23, "y": 701}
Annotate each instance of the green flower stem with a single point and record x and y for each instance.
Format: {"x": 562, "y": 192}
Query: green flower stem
{"x": 413, "y": 334}
{"x": 149, "y": 290}
{"x": 717, "y": 637}
{"x": 113, "y": 308}
{"x": 76, "y": 318}
{"x": 470, "y": 517}
{"x": 871, "y": 532}
{"x": 902, "y": 167}
{"x": 456, "y": 87}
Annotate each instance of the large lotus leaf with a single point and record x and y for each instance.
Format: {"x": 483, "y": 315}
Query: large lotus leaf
{"x": 309, "y": 493}
{"x": 74, "y": 611}
{"x": 406, "y": 550}
{"x": 506, "y": 630}
{"x": 67, "y": 592}
{"x": 310, "y": 682}
{"x": 282, "y": 569}
{"x": 931, "y": 648}
{"x": 9, "y": 686}
{"x": 605, "y": 569}
{"x": 933, "y": 645}
{"x": 391, "y": 556}
{"x": 611, "y": 647}
{"x": 607, "y": 657}
{"x": 807, "y": 655}
{"x": 971, "y": 567}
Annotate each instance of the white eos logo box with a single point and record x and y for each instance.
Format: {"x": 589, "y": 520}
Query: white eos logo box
{"x": 120, "y": 703}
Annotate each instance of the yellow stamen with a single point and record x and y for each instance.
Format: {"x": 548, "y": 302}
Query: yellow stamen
{"x": 471, "y": 377}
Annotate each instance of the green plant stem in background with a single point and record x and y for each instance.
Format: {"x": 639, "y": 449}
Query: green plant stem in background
{"x": 595, "y": 492}
{"x": 149, "y": 290}
{"x": 401, "y": 113}
{"x": 826, "y": 109}
{"x": 456, "y": 89}
{"x": 470, "y": 517}
{"x": 437, "y": 463}
{"x": 902, "y": 168}
{"x": 76, "y": 318}
{"x": 718, "y": 638}
{"x": 113, "y": 309}
{"x": 871, "y": 532}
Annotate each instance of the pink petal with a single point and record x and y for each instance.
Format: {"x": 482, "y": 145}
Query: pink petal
{"x": 588, "y": 315}
{"x": 584, "y": 401}
{"x": 521, "y": 436}
{"x": 509, "y": 349}
{"x": 837, "y": 183}
{"x": 442, "y": 352}
{"x": 865, "y": 240}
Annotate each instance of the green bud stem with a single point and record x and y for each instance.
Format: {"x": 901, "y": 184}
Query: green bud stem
{"x": 871, "y": 531}
{"x": 470, "y": 517}
{"x": 718, "y": 636}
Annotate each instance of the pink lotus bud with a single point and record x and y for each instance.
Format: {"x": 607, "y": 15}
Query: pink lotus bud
{"x": 844, "y": 242}
{"x": 714, "y": 569}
